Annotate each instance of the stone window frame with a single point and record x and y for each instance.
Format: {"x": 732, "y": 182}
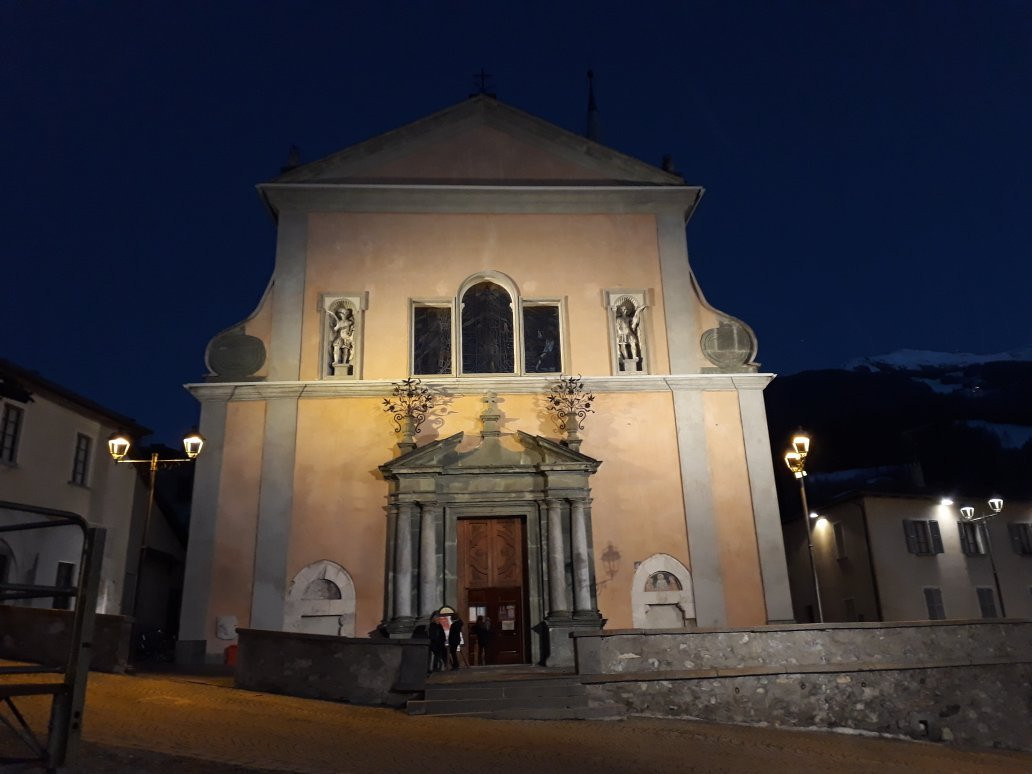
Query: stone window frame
{"x": 517, "y": 303}
{"x": 559, "y": 302}
{"x": 438, "y": 303}
{"x": 640, "y": 297}
{"x": 360, "y": 302}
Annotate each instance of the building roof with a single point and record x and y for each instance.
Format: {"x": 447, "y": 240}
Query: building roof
{"x": 20, "y": 384}
{"x": 366, "y": 161}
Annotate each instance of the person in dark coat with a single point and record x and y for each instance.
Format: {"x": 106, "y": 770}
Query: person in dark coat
{"x": 438, "y": 645}
{"x": 454, "y": 640}
{"x": 482, "y": 630}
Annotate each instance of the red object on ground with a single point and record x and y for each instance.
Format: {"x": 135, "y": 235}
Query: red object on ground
{"x": 230, "y": 654}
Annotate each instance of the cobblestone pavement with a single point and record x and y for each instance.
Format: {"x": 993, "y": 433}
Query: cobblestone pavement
{"x": 148, "y": 723}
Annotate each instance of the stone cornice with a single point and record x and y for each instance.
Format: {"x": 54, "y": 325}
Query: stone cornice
{"x": 371, "y": 197}
{"x": 476, "y": 385}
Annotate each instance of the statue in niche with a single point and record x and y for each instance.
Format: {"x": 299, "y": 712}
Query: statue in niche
{"x": 342, "y": 345}
{"x": 628, "y": 342}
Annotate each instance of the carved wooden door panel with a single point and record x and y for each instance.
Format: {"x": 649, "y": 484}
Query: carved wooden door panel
{"x": 491, "y": 579}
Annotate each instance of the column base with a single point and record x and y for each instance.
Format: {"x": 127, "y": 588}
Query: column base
{"x": 401, "y": 628}
{"x": 560, "y": 625}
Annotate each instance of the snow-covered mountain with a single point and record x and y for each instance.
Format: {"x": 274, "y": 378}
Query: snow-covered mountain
{"x": 919, "y": 359}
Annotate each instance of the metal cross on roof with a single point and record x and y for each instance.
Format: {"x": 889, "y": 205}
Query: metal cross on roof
{"x": 480, "y": 83}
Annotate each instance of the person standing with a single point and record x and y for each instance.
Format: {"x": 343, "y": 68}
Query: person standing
{"x": 482, "y": 630}
{"x": 455, "y": 640}
{"x": 438, "y": 644}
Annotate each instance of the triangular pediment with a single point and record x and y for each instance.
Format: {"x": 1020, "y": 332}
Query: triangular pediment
{"x": 480, "y": 141}
{"x": 529, "y": 452}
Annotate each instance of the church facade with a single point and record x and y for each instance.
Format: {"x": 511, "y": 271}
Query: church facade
{"x": 483, "y": 375}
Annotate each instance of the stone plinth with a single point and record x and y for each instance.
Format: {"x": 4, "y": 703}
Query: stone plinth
{"x": 963, "y": 681}
{"x": 42, "y": 636}
{"x": 316, "y": 666}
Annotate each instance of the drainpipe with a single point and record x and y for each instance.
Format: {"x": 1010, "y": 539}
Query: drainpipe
{"x": 870, "y": 560}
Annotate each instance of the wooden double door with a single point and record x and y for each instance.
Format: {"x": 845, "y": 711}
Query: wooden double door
{"x": 492, "y": 583}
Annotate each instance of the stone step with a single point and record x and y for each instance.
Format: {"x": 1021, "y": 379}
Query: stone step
{"x": 603, "y": 712}
{"x": 465, "y": 706}
{"x": 512, "y": 690}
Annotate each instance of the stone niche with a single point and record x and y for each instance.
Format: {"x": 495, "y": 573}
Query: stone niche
{"x": 343, "y": 317}
{"x": 628, "y": 330}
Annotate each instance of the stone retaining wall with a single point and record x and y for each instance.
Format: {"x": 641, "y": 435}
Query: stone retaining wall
{"x": 963, "y": 681}
{"x": 316, "y": 666}
{"x": 41, "y": 635}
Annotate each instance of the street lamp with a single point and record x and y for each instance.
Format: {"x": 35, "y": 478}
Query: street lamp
{"x": 118, "y": 448}
{"x": 982, "y": 520}
{"x": 795, "y": 459}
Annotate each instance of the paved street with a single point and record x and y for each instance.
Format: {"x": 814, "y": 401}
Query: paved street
{"x": 154, "y": 723}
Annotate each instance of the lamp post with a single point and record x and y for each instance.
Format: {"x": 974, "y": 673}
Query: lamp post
{"x": 118, "y": 447}
{"x": 982, "y": 520}
{"x": 795, "y": 459}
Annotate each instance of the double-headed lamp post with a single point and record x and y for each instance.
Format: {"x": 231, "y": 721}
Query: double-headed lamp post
{"x": 795, "y": 459}
{"x": 118, "y": 447}
{"x": 982, "y": 520}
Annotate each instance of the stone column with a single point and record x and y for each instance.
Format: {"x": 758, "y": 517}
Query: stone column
{"x": 429, "y": 578}
{"x": 196, "y": 615}
{"x": 581, "y": 557}
{"x": 403, "y": 563}
{"x": 556, "y": 560}
{"x": 275, "y": 509}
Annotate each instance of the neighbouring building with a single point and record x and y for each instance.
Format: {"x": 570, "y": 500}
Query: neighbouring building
{"x": 883, "y": 557}
{"x": 486, "y": 253}
{"x": 53, "y": 454}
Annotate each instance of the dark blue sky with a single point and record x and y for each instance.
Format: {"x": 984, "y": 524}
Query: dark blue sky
{"x": 867, "y": 164}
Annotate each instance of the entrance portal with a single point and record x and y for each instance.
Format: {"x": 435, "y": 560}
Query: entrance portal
{"x": 492, "y": 583}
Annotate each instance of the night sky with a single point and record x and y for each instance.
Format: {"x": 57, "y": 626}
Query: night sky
{"x": 867, "y": 165}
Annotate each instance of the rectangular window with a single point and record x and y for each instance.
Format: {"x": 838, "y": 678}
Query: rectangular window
{"x": 1021, "y": 538}
{"x": 81, "y": 463}
{"x": 541, "y": 350}
{"x": 431, "y": 340}
{"x": 933, "y": 601}
{"x": 987, "y": 602}
{"x": 65, "y": 577}
{"x": 10, "y": 432}
{"x": 840, "y": 542}
{"x": 4, "y": 567}
{"x": 969, "y": 542}
{"x": 923, "y": 537}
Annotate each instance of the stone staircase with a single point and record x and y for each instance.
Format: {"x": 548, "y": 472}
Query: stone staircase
{"x": 529, "y": 693}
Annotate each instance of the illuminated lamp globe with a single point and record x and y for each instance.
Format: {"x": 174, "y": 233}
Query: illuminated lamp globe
{"x": 996, "y": 504}
{"x": 192, "y": 444}
{"x": 118, "y": 446}
{"x": 801, "y": 444}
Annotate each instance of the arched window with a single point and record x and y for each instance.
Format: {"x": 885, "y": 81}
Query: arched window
{"x": 488, "y": 337}
{"x": 487, "y": 328}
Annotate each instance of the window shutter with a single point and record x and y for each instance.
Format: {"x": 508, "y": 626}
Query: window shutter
{"x": 987, "y": 602}
{"x": 911, "y": 535}
{"x": 933, "y": 527}
{"x": 1015, "y": 536}
{"x": 965, "y": 546}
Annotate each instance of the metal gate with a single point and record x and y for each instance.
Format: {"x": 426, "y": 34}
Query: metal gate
{"x": 66, "y": 684}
